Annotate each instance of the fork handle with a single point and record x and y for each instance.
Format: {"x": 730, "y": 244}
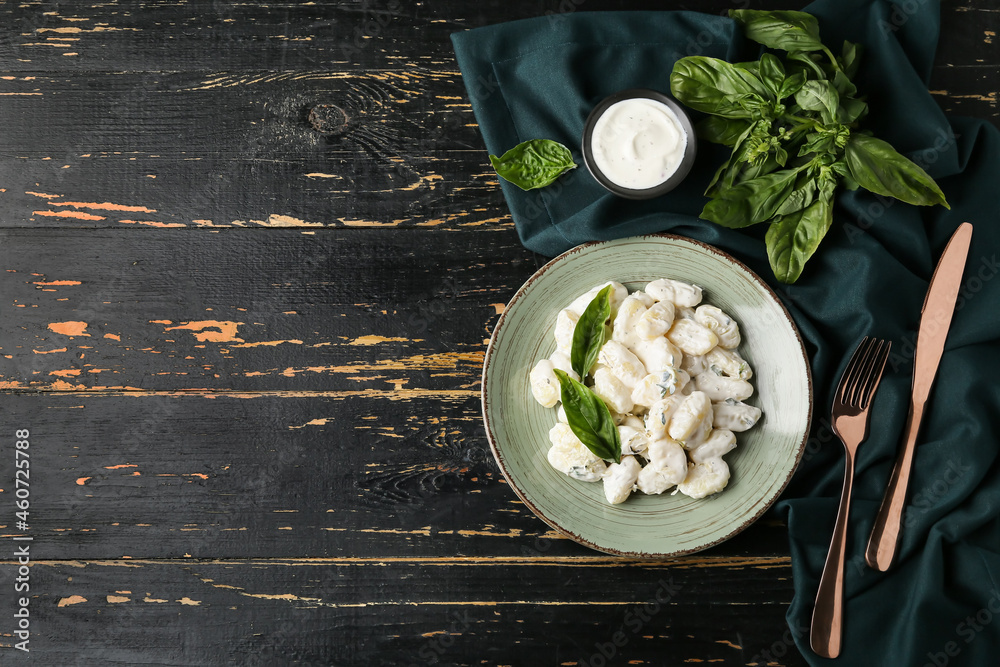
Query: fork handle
{"x": 883, "y": 545}
{"x": 828, "y": 613}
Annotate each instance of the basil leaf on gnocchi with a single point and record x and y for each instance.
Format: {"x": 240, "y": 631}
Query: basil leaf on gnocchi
{"x": 648, "y": 388}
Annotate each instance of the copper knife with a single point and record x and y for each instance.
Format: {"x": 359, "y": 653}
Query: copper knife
{"x": 935, "y": 319}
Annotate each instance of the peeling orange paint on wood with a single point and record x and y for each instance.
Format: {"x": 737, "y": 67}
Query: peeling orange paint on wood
{"x": 116, "y": 599}
{"x": 80, "y": 481}
{"x": 105, "y": 206}
{"x": 58, "y": 282}
{"x": 79, "y": 215}
{"x": 121, "y": 465}
{"x": 374, "y": 340}
{"x": 279, "y": 596}
{"x": 269, "y": 343}
{"x": 70, "y": 328}
{"x": 225, "y": 331}
{"x": 112, "y": 337}
{"x": 72, "y": 599}
{"x": 276, "y": 220}
{"x": 154, "y": 223}
{"x": 314, "y": 422}
{"x": 66, "y": 373}
{"x": 443, "y": 361}
{"x": 59, "y": 349}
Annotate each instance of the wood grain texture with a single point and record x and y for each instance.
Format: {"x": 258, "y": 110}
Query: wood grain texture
{"x": 408, "y": 612}
{"x": 250, "y": 254}
{"x": 189, "y": 475}
{"x": 276, "y": 311}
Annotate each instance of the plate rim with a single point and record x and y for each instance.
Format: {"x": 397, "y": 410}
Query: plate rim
{"x": 499, "y": 458}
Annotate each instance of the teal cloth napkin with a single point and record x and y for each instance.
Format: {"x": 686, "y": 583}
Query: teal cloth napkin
{"x": 940, "y": 604}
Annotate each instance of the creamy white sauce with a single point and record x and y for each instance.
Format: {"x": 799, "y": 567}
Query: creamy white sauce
{"x": 638, "y": 143}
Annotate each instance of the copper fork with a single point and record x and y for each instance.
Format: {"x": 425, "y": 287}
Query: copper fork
{"x": 850, "y": 422}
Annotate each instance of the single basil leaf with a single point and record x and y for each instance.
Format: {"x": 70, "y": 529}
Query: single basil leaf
{"x": 589, "y": 418}
{"x": 786, "y": 30}
{"x": 851, "y": 109}
{"x": 791, "y": 85}
{"x": 843, "y": 84}
{"x": 877, "y": 167}
{"x": 816, "y": 142}
{"x": 752, "y": 66}
{"x": 792, "y": 239}
{"x": 848, "y": 182}
{"x": 713, "y": 86}
{"x": 758, "y": 108}
{"x": 765, "y": 194}
{"x": 753, "y": 171}
{"x": 734, "y": 214}
{"x": 811, "y": 67}
{"x": 591, "y": 332}
{"x": 751, "y": 201}
{"x": 772, "y": 74}
{"x": 781, "y": 156}
{"x": 827, "y": 182}
{"x": 718, "y": 130}
{"x": 534, "y": 164}
{"x": 717, "y": 182}
{"x": 799, "y": 198}
{"x": 730, "y": 169}
{"x": 839, "y": 168}
{"x": 821, "y": 97}
{"x": 850, "y": 58}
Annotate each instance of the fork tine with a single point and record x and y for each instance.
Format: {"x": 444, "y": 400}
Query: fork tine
{"x": 861, "y": 371}
{"x": 849, "y": 380}
{"x": 875, "y": 368}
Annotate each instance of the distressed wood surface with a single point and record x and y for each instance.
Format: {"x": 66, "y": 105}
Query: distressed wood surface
{"x": 250, "y": 258}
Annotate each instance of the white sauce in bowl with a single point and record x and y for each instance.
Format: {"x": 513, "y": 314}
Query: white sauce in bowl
{"x": 638, "y": 143}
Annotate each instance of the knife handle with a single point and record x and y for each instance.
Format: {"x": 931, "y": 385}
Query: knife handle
{"x": 883, "y": 545}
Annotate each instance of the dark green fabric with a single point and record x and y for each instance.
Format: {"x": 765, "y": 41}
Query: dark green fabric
{"x": 940, "y": 604}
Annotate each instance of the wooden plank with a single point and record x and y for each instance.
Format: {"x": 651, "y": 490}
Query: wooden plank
{"x": 964, "y": 81}
{"x": 128, "y": 36}
{"x": 407, "y": 154}
{"x": 407, "y": 612}
{"x": 273, "y": 310}
{"x": 182, "y": 475}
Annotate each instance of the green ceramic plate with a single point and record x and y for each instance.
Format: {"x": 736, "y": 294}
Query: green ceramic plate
{"x": 647, "y": 526}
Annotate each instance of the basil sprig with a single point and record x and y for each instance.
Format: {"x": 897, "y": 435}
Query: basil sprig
{"x": 591, "y": 332}
{"x": 793, "y": 128}
{"x": 534, "y": 164}
{"x": 589, "y": 418}
{"x": 586, "y": 413}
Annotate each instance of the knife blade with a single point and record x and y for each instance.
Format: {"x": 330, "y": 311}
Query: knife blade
{"x": 935, "y": 320}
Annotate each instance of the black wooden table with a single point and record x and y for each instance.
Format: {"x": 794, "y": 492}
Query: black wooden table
{"x": 251, "y": 258}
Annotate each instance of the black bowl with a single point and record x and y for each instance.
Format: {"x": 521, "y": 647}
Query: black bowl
{"x": 682, "y": 169}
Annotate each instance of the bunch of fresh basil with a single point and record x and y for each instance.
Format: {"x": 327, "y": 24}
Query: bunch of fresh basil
{"x": 587, "y": 415}
{"x": 793, "y": 126}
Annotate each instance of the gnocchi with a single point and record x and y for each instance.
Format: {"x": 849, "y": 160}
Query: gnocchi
{"x": 673, "y": 381}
